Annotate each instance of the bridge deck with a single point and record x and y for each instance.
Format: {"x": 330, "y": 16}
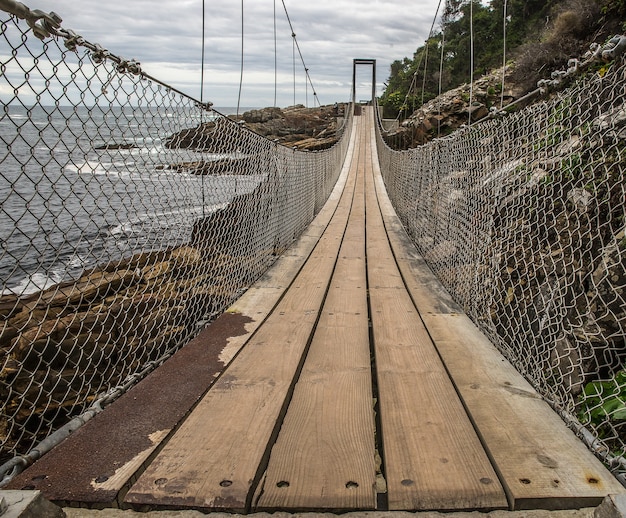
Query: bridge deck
{"x": 352, "y": 382}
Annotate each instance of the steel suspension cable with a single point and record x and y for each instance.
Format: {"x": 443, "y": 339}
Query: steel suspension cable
{"x": 297, "y": 46}
{"x": 443, "y": 45}
{"x": 202, "y": 94}
{"x": 275, "y": 59}
{"x": 425, "y": 69}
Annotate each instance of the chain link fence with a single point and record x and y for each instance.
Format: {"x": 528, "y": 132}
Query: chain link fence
{"x": 131, "y": 216}
{"x": 523, "y": 220}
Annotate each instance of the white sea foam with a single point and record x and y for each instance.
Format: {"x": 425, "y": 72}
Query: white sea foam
{"x": 89, "y": 167}
{"x": 35, "y": 282}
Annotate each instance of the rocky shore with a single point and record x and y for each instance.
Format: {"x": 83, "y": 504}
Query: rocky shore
{"x": 309, "y": 129}
{"x": 557, "y": 237}
{"x": 306, "y": 129}
{"x": 61, "y": 347}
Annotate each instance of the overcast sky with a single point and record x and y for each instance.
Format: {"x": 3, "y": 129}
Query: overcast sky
{"x": 165, "y": 36}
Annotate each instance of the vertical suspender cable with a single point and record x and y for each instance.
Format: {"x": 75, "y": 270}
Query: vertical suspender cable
{"x": 503, "y": 56}
{"x": 241, "y": 74}
{"x": 471, "y": 98}
{"x": 202, "y": 58}
{"x": 418, "y": 68}
{"x": 293, "y": 52}
{"x": 425, "y": 71}
{"x": 202, "y": 99}
{"x": 275, "y": 59}
{"x": 443, "y": 45}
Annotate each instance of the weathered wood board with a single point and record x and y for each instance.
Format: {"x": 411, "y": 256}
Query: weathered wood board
{"x": 542, "y": 463}
{"x": 324, "y": 457}
{"x": 433, "y": 458}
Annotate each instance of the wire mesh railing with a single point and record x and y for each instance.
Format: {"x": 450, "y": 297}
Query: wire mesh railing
{"x": 131, "y": 215}
{"x": 523, "y": 219}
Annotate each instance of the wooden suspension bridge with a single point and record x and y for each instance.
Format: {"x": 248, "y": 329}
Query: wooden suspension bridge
{"x": 345, "y": 379}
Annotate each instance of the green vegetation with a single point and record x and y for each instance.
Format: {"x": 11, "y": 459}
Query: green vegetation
{"x": 604, "y": 401}
{"x": 541, "y": 36}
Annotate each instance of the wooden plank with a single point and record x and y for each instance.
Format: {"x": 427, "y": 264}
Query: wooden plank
{"x": 213, "y": 460}
{"x": 433, "y": 458}
{"x": 97, "y": 460}
{"x": 259, "y": 300}
{"x": 541, "y": 462}
{"x": 324, "y": 457}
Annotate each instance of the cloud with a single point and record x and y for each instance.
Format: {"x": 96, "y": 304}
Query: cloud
{"x": 166, "y": 38}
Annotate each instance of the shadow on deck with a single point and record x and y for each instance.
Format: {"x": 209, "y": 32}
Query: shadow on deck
{"x": 345, "y": 379}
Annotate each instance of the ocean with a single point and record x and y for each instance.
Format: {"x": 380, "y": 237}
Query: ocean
{"x": 83, "y": 186}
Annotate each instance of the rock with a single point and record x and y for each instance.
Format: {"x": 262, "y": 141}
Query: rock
{"x": 478, "y": 112}
{"x": 7, "y": 333}
{"x": 9, "y": 306}
{"x": 607, "y": 298}
{"x": 580, "y": 200}
{"x": 565, "y": 361}
{"x": 263, "y": 115}
{"x": 295, "y": 124}
{"x": 314, "y": 144}
{"x": 613, "y": 506}
{"x": 95, "y": 285}
{"x": 52, "y": 340}
{"x": 291, "y": 124}
{"x": 450, "y": 110}
{"x": 192, "y": 138}
{"x": 124, "y": 145}
{"x": 28, "y": 504}
{"x": 441, "y": 252}
{"x": 55, "y": 356}
{"x": 221, "y": 166}
{"x": 152, "y": 271}
{"x": 613, "y": 119}
{"x": 186, "y": 257}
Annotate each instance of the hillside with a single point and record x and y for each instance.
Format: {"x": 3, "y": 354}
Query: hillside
{"x": 541, "y": 36}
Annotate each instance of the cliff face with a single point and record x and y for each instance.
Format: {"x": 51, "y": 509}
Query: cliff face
{"x": 452, "y": 109}
{"x": 500, "y": 90}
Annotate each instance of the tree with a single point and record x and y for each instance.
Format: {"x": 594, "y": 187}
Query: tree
{"x": 415, "y": 79}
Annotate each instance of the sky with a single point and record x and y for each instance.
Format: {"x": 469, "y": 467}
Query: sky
{"x": 166, "y": 38}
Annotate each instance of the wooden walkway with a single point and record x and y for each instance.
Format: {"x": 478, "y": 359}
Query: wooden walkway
{"x": 353, "y": 383}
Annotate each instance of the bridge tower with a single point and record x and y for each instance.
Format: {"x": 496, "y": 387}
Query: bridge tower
{"x": 356, "y": 62}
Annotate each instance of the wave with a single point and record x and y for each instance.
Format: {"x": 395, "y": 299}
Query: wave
{"x": 33, "y": 283}
{"x": 163, "y": 220}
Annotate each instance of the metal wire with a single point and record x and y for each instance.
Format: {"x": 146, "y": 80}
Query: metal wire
{"x": 523, "y": 219}
{"x": 131, "y": 215}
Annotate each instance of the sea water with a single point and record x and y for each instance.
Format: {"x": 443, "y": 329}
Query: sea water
{"x": 67, "y": 205}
